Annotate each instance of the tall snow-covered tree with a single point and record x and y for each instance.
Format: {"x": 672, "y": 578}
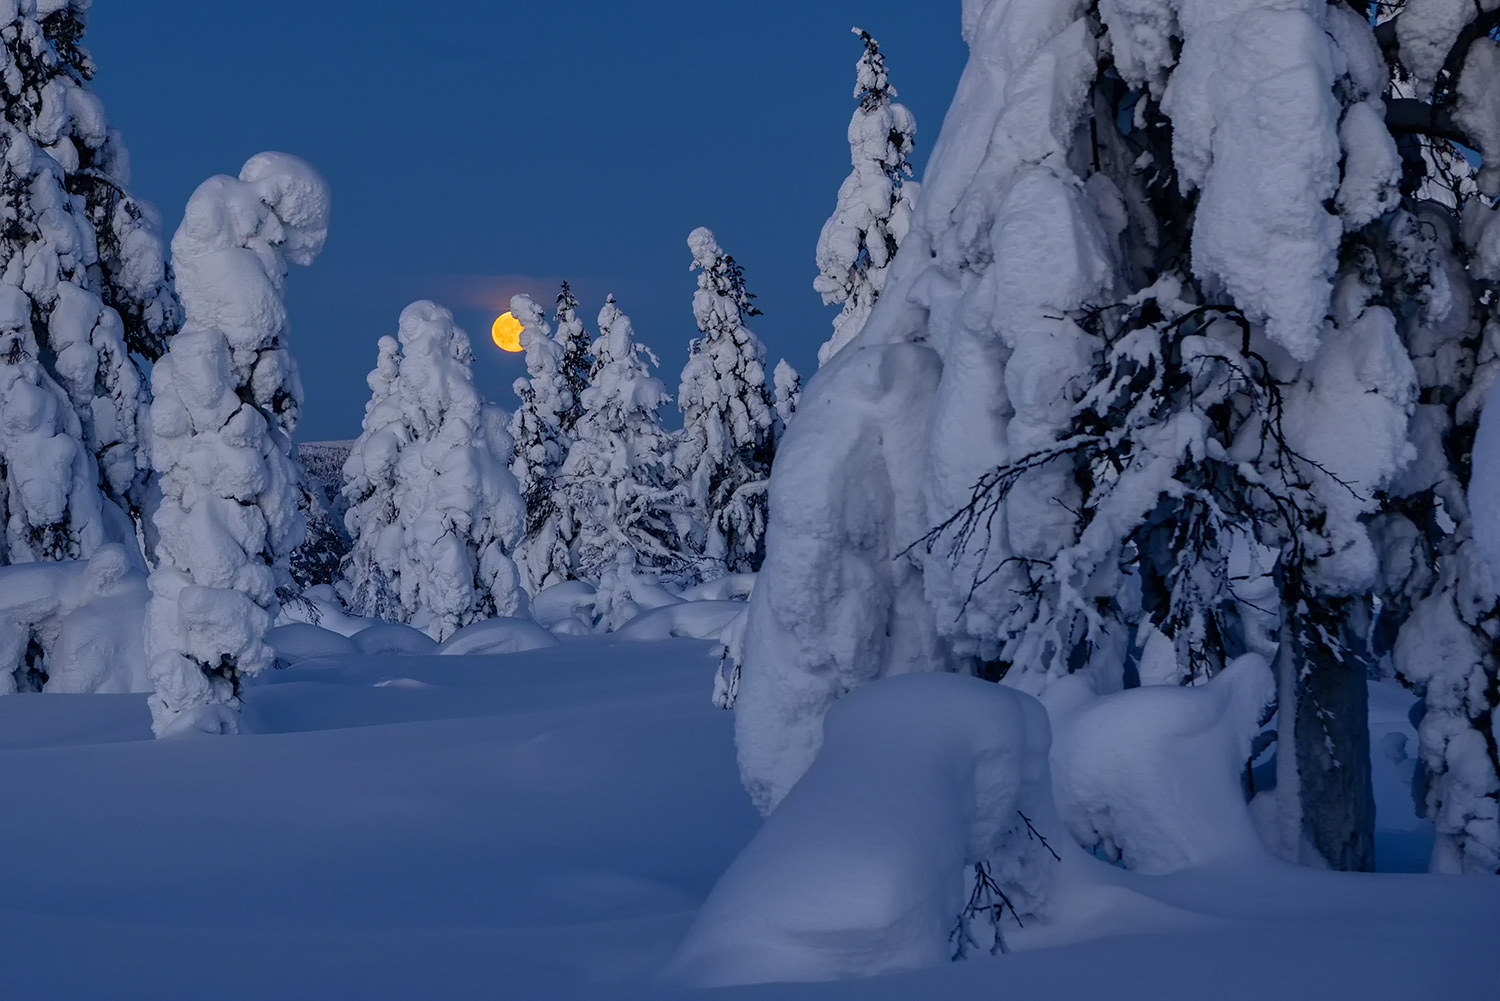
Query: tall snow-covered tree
{"x": 434, "y": 512}
{"x": 225, "y": 398}
{"x": 577, "y": 359}
{"x": 541, "y": 429}
{"x": 874, "y": 204}
{"x": 1173, "y": 301}
{"x": 618, "y": 478}
{"x": 371, "y": 573}
{"x": 89, "y": 260}
{"x": 729, "y": 417}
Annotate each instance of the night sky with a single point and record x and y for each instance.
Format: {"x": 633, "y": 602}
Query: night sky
{"x": 476, "y": 149}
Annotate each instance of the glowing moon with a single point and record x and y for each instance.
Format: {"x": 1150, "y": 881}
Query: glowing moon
{"x": 506, "y": 333}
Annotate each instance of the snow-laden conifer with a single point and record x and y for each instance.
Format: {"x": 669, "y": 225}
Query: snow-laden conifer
{"x": 370, "y": 583}
{"x": 577, "y": 361}
{"x": 1179, "y": 317}
{"x": 89, "y": 260}
{"x": 434, "y": 512}
{"x": 541, "y": 446}
{"x": 225, "y": 398}
{"x": 618, "y": 477}
{"x": 729, "y": 418}
{"x": 874, "y": 204}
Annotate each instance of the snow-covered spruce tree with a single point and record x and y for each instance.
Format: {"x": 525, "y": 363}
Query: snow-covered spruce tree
{"x": 541, "y": 446}
{"x": 1440, "y": 618}
{"x": 618, "y": 479}
{"x": 225, "y": 398}
{"x": 1143, "y": 328}
{"x": 369, "y": 574}
{"x": 875, "y": 201}
{"x": 434, "y": 512}
{"x": 729, "y": 418}
{"x": 577, "y": 358}
{"x": 89, "y": 260}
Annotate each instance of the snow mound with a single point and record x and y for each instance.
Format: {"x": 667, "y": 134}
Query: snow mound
{"x": 1150, "y": 776}
{"x": 321, "y": 606}
{"x": 86, "y": 617}
{"x": 730, "y": 587}
{"x": 565, "y": 607}
{"x": 299, "y": 641}
{"x": 502, "y": 635}
{"x": 393, "y": 637}
{"x": 858, "y": 871}
{"x": 699, "y": 620}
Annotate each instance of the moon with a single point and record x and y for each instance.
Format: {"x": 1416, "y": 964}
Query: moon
{"x": 506, "y": 333}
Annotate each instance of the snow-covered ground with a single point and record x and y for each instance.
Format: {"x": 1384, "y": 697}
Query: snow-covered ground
{"x": 546, "y": 824}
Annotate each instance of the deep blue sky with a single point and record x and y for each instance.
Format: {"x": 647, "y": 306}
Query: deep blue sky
{"x": 480, "y": 148}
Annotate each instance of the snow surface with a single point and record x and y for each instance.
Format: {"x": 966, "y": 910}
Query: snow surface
{"x": 408, "y": 827}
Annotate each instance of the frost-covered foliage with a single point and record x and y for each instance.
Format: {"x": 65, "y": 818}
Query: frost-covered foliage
{"x": 542, "y": 427}
{"x": 729, "y": 417}
{"x": 875, "y": 201}
{"x": 74, "y": 626}
{"x": 856, "y": 872}
{"x": 225, "y": 400}
{"x": 82, "y": 266}
{"x": 1176, "y": 308}
{"x": 433, "y": 511}
{"x": 618, "y": 478}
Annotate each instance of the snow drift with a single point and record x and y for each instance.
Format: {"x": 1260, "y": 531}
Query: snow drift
{"x": 859, "y": 871}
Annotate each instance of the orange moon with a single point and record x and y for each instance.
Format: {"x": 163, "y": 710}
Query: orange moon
{"x": 506, "y": 333}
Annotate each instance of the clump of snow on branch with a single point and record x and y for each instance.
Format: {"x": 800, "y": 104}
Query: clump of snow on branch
{"x": 875, "y": 202}
{"x": 225, "y": 400}
{"x": 434, "y": 512}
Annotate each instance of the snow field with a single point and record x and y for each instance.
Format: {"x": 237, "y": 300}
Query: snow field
{"x": 547, "y": 824}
